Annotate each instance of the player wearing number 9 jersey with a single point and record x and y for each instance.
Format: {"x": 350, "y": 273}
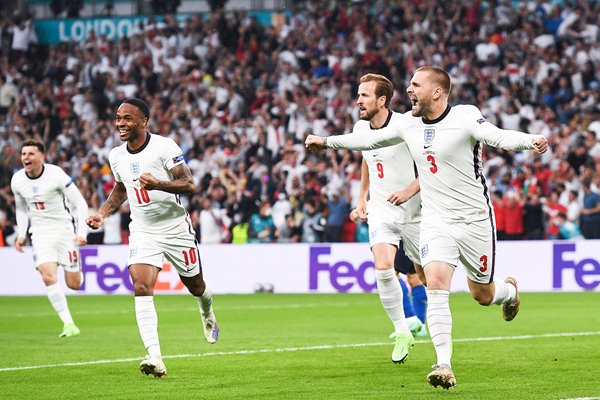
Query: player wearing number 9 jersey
{"x": 386, "y": 173}
{"x": 150, "y": 173}
{"x": 457, "y": 218}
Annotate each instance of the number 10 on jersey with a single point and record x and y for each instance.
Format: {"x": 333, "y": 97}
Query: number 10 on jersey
{"x": 142, "y": 196}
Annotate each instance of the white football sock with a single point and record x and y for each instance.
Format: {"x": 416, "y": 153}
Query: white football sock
{"x": 147, "y": 321}
{"x": 390, "y": 293}
{"x": 504, "y": 292}
{"x": 59, "y": 303}
{"x": 439, "y": 321}
{"x": 205, "y": 302}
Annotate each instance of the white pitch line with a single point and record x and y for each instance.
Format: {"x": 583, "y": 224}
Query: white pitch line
{"x": 583, "y": 398}
{"x": 293, "y": 349}
{"x": 161, "y": 310}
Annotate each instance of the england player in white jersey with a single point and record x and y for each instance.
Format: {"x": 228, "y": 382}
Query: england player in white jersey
{"x": 457, "y": 218}
{"x": 50, "y": 207}
{"x": 392, "y": 210}
{"x": 150, "y": 173}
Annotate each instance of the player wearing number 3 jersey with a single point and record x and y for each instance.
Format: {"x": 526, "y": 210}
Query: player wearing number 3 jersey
{"x": 150, "y": 173}
{"x": 457, "y": 218}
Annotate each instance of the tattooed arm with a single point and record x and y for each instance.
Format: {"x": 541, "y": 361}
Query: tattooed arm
{"x": 112, "y": 204}
{"x": 182, "y": 184}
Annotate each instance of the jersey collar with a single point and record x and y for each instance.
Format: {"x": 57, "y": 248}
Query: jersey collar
{"x": 438, "y": 119}
{"x": 387, "y": 121}
{"x": 36, "y": 177}
{"x": 142, "y": 147}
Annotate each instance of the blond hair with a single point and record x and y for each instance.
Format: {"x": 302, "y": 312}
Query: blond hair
{"x": 439, "y": 77}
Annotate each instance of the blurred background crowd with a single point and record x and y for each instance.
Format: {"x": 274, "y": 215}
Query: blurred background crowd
{"x": 239, "y": 97}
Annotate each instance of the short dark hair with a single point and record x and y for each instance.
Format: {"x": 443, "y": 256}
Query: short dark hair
{"x": 383, "y": 86}
{"x": 141, "y": 104}
{"x": 33, "y": 142}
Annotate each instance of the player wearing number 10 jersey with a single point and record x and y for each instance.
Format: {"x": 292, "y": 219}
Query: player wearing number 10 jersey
{"x": 457, "y": 218}
{"x": 150, "y": 173}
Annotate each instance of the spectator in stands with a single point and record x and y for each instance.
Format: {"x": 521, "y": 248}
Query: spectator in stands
{"x": 590, "y": 212}
{"x": 552, "y": 208}
{"x": 261, "y": 228}
{"x": 533, "y": 218}
{"x": 513, "y": 215}
{"x": 339, "y": 208}
{"x": 8, "y": 95}
{"x": 214, "y": 223}
{"x": 498, "y": 206}
{"x": 573, "y": 206}
{"x": 290, "y": 232}
{"x": 313, "y": 224}
{"x": 568, "y": 230}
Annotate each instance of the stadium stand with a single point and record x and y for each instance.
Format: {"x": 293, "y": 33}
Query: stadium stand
{"x": 239, "y": 96}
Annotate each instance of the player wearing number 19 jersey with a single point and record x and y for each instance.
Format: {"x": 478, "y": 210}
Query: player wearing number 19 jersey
{"x": 457, "y": 217}
{"x": 150, "y": 173}
{"x": 45, "y": 197}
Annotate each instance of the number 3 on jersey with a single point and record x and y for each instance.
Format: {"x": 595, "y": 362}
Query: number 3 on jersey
{"x": 434, "y": 166}
{"x": 379, "y": 166}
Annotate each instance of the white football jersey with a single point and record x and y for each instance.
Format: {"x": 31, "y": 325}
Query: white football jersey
{"x": 152, "y": 211}
{"x": 44, "y": 200}
{"x": 447, "y": 153}
{"x": 390, "y": 169}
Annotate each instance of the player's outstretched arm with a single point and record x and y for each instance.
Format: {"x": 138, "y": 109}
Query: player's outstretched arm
{"x": 540, "y": 143}
{"x": 116, "y": 197}
{"x": 488, "y": 133}
{"x": 315, "y": 143}
{"x": 182, "y": 184}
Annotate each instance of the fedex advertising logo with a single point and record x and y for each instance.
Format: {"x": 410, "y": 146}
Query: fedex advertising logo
{"x": 342, "y": 275}
{"x": 109, "y": 277}
{"x": 586, "y": 271}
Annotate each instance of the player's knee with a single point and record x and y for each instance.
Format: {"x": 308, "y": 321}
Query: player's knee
{"x": 194, "y": 284}
{"x": 483, "y": 298}
{"x": 197, "y": 289}
{"x": 143, "y": 289}
{"x": 73, "y": 280}
{"x": 73, "y": 284}
{"x": 382, "y": 266}
{"x": 413, "y": 280}
{"x": 49, "y": 279}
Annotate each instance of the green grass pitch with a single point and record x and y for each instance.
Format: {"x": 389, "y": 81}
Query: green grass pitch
{"x": 298, "y": 347}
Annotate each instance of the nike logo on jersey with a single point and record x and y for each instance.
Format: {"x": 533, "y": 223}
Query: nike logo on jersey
{"x": 136, "y": 179}
{"x": 426, "y": 146}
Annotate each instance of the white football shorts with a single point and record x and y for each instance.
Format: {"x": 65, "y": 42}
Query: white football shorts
{"x": 473, "y": 244}
{"x": 57, "y": 248}
{"x": 181, "y": 250}
{"x": 382, "y": 231}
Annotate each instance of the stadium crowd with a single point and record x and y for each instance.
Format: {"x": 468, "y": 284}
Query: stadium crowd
{"x": 239, "y": 98}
